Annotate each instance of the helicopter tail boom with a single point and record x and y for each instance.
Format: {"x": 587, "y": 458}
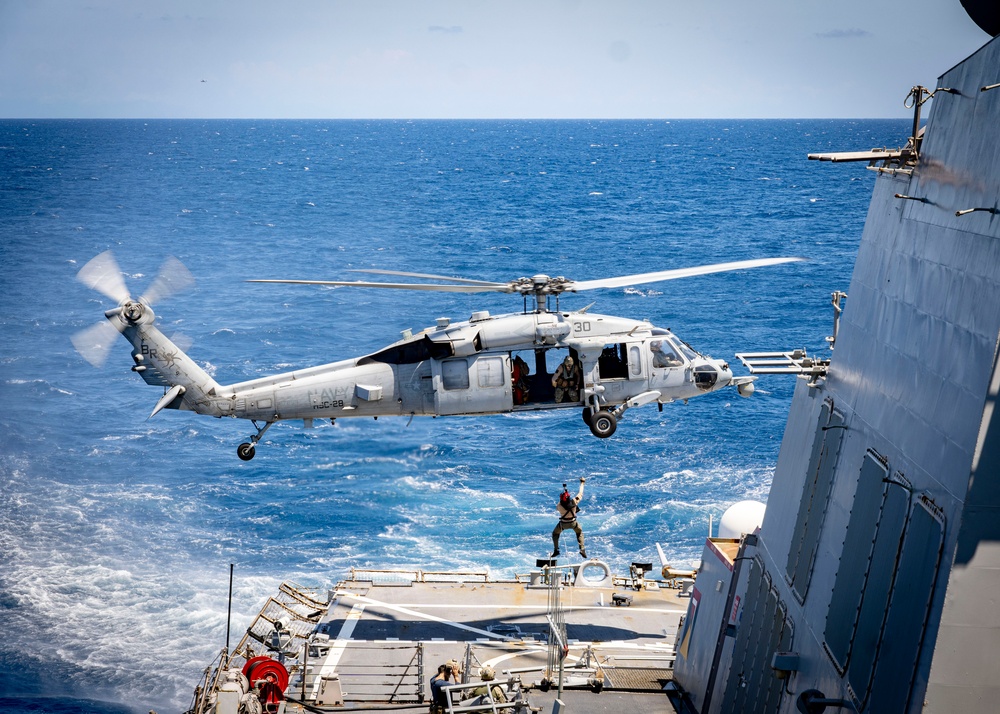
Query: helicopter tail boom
{"x": 160, "y": 362}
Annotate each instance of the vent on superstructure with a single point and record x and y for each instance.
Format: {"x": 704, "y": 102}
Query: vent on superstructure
{"x": 764, "y": 629}
{"x": 815, "y": 497}
{"x": 890, "y": 681}
{"x": 866, "y": 566}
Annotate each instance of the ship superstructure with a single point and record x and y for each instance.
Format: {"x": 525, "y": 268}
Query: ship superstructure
{"x": 871, "y": 585}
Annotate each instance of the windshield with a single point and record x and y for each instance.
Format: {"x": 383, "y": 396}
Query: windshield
{"x": 684, "y": 348}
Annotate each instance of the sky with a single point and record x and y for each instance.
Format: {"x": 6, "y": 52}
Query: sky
{"x": 474, "y": 59}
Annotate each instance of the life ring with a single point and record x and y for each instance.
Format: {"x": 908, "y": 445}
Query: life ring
{"x": 584, "y": 580}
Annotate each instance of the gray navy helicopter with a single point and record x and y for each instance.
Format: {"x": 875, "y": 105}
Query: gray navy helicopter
{"x": 541, "y": 358}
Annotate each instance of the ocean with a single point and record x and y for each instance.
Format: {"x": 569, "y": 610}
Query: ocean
{"x": 117, "y": 530}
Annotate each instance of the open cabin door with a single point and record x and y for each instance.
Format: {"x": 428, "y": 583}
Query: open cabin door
{"x": 622, "y": 360}
{"x": 479, "y": 384}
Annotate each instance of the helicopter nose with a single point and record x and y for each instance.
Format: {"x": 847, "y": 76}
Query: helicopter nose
{"x": 725, "y": 374}
{"x": 712, "y": 374}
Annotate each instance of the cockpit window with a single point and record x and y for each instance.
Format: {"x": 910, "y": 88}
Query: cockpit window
{"x": 685, "y": 348}
{"x": 664, "y": 354}
{"x": 411, "y": 352}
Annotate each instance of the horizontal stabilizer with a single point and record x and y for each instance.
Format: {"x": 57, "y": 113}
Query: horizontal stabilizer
{"x": 172, "y": 394}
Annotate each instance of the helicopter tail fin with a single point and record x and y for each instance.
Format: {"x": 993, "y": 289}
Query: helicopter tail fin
{"x": 160, "y": 362}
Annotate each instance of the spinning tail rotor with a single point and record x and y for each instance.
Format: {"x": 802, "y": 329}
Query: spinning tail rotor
{"x": 103, "y": 275}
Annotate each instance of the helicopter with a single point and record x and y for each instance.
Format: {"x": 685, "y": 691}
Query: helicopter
{"x": 538, "y": 359}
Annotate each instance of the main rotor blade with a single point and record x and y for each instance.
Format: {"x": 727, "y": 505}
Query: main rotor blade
{"x": 626, "y": 280}
{"x": 465, "y": 281}
{"x": 102, "y": 274}
{"x": 173, "y": 278}
{"x": 94, "y": 342}
{"x": 485, "y": 288}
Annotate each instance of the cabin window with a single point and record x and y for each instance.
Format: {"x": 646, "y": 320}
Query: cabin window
{"x": 812, "y": 507}
{"x": 613, "y": 362}
{"x": 455, "y": 374}
{"x": 635, "y": 360}
{"x": 491, "y": 372}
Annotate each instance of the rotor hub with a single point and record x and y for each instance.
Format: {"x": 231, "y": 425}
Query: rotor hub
{"x": 133, "y": 311}
{"x": 541, "y": 284}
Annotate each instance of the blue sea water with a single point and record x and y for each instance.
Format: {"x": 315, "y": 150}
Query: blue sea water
{"x": 117, "y": 531}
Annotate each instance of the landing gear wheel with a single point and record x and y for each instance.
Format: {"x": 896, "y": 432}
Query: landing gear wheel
{"x": 587, "y": 415}
{"x": 603, "y": 424}
{"x": 245, "y": 451}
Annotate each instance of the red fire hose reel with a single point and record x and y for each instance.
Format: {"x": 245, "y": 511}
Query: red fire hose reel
{"x": 269, "y": 677}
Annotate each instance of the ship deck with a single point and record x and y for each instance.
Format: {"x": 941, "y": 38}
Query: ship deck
{"x": 381, "y": 635}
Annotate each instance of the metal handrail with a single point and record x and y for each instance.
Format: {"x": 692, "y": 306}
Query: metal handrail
{"x": 420, "y": 576}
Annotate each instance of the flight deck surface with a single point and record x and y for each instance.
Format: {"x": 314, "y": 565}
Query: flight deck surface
{"x": 381, "y": 635}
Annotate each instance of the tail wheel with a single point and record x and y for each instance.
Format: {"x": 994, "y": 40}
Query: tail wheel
{"x": 603, "y": 424}
{"x": 245, "y": 451}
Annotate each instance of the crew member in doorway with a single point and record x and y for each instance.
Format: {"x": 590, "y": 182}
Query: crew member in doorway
{"x": 519, "y": 380}
{"x": 566, "y": 380}
{"x": 568, "y": 507}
